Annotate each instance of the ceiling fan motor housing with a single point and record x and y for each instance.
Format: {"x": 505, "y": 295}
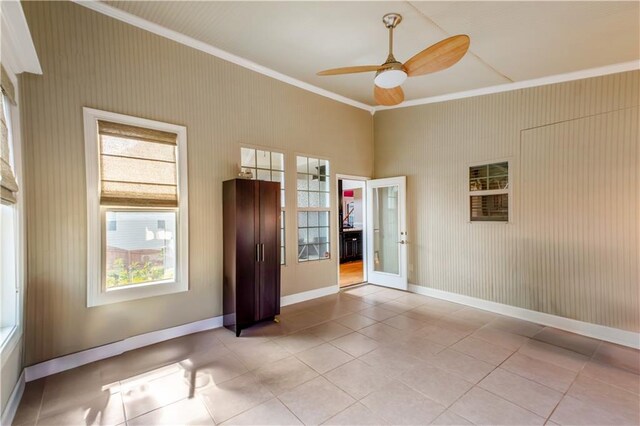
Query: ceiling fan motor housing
{"x": 391, "y": 20}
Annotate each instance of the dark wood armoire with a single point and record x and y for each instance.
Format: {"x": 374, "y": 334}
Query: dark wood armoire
{"x": 251, "y": 220}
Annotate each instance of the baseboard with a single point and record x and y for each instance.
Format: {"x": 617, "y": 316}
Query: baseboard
{"x": 609, "y": 334}
{"x": 67, "y": 362}
{"x": 308, "y": 295}
{"x": 11, "y": 408}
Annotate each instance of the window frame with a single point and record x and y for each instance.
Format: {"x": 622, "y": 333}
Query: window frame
{"x": 11, "y": 337}
{"x": 97, "y": 294}
{"x": 313, "y": 209}
{"x": 507, "y": 192}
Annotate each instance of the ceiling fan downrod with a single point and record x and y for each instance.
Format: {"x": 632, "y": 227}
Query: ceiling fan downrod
{"x": 391, "y": 20}
{"x": 391, "y": 74}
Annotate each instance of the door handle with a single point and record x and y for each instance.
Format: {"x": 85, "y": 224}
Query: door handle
{"x": 257, "y": 252}
{"x": 262, "y": 250}
{"x": 402, "y": 242}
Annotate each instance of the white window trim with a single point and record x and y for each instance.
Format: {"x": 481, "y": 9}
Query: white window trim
{"x": 508, "y": 191}
{"x": 313, "y": 209}
{"x": 12, "y": 338}
{"x": 96, "y": 295}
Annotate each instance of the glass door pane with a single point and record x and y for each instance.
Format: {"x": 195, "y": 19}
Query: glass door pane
{"x": 386, "y": 231}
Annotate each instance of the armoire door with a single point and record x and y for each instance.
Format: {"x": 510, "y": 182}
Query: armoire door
{"x": 240, "y": 252}
{"x": 269, "y": 240}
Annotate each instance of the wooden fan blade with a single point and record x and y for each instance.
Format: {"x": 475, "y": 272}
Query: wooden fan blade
{"x": 388, "y": 97}
{"x": 438, "y": 57}
{"x": 351, "y": 70}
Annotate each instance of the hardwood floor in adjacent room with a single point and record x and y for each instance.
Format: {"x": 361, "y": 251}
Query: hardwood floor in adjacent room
{"x": 351, "y": 273}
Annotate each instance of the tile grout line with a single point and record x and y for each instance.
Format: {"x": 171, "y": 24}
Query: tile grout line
{"x": 127, "y": 419}
{"x": 249, "y": 371}
{"x": 296, "y": 357}
{"x": 41, "y": 402}
{"x": 565, "y": 393}
{"x": 356, "y": 401}
{"x": 289, "y": 409}
{"x": 476, "y": 384}
{"x": 495, "y": 368}
{"x": 417, "y": 390}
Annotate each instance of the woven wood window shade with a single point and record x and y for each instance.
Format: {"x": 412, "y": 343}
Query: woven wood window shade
{"x": 137, "y": 166}
{"x": 490, "y": 208}
{"x": 8, "y": 184}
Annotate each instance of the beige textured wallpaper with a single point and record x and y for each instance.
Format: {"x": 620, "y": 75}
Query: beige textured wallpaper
{"x": 572, "y": 247}
{"x": 92, "y": 60}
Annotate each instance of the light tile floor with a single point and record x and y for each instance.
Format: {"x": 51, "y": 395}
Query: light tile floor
{"x": 367, "y": 355}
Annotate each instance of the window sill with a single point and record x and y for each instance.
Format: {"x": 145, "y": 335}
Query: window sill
{"x": 135, "y": 293}
{"x": 489, "y": 222}
{"x": 5, "y": 333}
{"x": 9, "y": 338}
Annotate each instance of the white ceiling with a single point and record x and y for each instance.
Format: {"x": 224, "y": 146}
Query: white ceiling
{"x": 510, "y": 41}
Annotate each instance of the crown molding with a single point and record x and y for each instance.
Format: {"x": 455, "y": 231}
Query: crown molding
{"x": 113, "y": 12}
{"x": 542, "y": 81}
{"x": 141, "y": 23}
{"x": 18, "y": 52}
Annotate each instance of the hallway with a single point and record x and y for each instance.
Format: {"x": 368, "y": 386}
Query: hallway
{"x": 351, "y": 273}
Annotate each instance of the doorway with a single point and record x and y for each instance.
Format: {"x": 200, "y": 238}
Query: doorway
{"x": 352, "y": 231}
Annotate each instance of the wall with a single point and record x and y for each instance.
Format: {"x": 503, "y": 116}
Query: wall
{"x": 571, "y": 248}
{"x": 92, "y": 60}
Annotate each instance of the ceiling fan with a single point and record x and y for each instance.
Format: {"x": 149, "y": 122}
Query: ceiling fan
{"x": 391, "y": 74}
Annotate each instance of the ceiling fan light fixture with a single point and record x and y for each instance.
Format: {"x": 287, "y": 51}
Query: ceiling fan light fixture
{"x": 390, "y": 78}
{"x": 392, "y": 73}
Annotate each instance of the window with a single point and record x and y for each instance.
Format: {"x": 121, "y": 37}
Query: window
{"x": 140, "y": 247}
{"x": 9, "y": 220}
{"x": 137, "y": 213}
{"x": 269, "y": 166}
{"x": 489, "y": 192}
{"x": 313, "y": 188}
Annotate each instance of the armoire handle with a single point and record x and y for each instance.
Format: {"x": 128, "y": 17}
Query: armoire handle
{"x": 257, "y": 252}
{"x": 262, "y": 250}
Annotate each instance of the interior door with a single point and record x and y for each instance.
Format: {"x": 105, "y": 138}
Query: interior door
{"x": 387, "y": 232}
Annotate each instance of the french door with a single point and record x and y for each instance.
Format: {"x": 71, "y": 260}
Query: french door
{"x": 387, "y": 232}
